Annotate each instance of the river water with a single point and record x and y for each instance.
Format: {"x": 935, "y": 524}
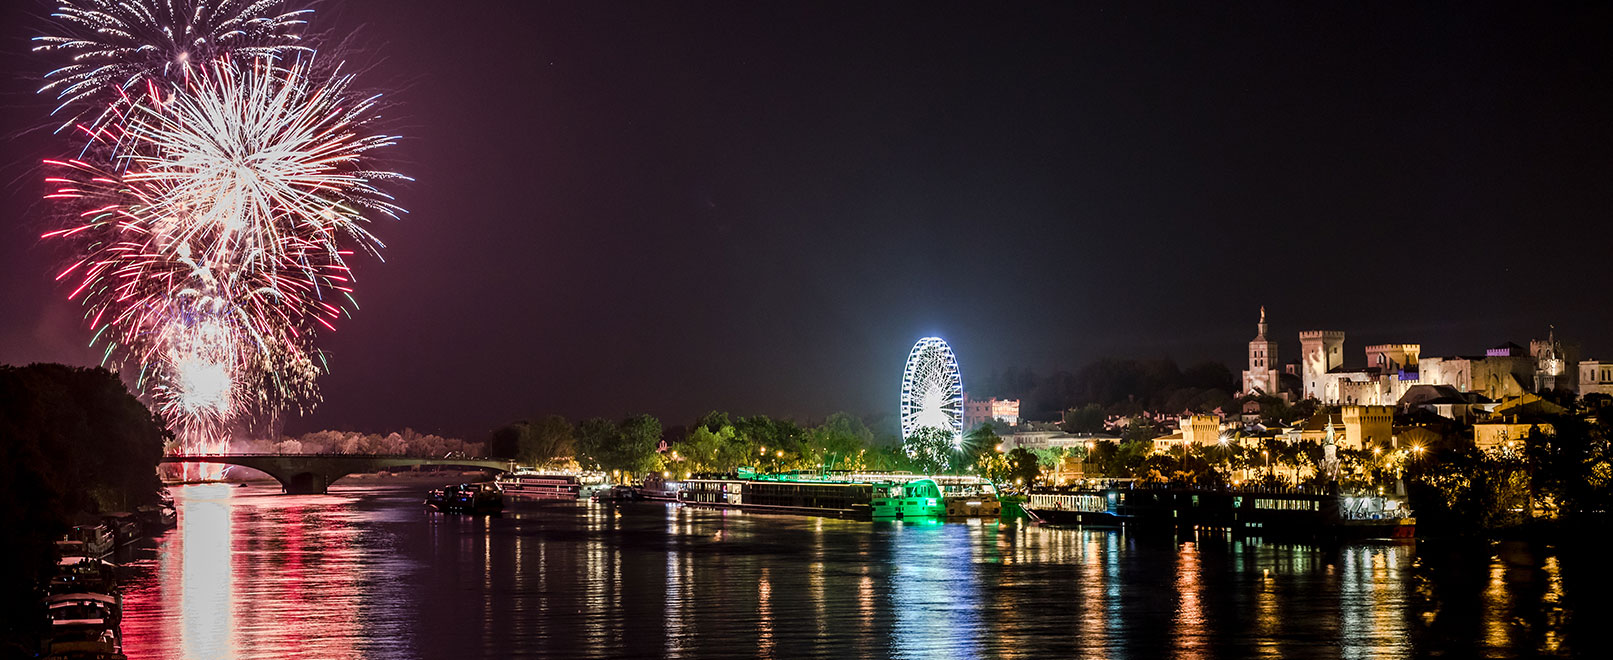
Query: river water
{"x": 367, "y": 572}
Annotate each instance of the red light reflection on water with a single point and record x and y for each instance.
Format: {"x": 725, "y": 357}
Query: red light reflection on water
{"x": 248, "y": 575}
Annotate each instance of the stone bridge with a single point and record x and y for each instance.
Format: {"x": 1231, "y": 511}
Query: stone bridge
{"x": 311, "y": 474}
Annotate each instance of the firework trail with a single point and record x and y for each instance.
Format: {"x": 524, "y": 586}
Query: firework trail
{"x": 217, "y": 195}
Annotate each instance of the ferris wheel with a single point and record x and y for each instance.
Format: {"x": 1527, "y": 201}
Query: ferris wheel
{"x": 932, "y": 389}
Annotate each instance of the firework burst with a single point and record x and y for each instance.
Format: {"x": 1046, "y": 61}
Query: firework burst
{"x": 213, "y": 212}
{"x": 118, "y": 45}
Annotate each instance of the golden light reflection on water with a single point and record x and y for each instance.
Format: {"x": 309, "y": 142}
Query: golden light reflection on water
{"x": 1189, "y": 636}
{"x": 764, "y": 616}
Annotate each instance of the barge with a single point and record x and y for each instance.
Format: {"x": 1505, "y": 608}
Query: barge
{"x": 841, "y": 494}
{"x": 1278, "y": 513}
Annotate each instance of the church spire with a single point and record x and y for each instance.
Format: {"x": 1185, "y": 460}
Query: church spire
{"x": 1262, "y": 334}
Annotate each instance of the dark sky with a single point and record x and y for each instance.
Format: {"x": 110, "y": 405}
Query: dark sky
{"x": 758, "y": 207}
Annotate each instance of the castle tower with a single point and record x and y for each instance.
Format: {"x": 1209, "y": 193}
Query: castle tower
{"x": 1320, "y": 351}
{"x": 1261, "y": 376}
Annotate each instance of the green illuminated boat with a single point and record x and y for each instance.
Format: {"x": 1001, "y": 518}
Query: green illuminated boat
{"x": 845, "y": 494}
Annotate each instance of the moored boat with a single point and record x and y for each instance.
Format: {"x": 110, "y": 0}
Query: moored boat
{"x": 541, "y": 485}
{"x": 480, "y": 498}
{"x": 82, "y": 575}
{"x": 1270, "y": 513}
{"x": 83, "y": 625}
{"x": 844, "y": 494}
{"x": 94, "y": 541}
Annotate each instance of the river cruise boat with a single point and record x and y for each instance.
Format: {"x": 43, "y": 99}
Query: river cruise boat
{"x": 533, "y": 484}
{"x": 481, "y": 498}
{"x": 1275, "y": 513}
{"x": 843, "y": 494}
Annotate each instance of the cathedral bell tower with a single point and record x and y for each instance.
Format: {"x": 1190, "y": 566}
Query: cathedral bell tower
{"x": 1261, "y": 376}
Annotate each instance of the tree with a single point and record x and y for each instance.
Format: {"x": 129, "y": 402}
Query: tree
{"x": 550, "y": 439}
{"x": 594, "y": 439}
{"x": 982, "y": 441}
{"x": 628, "y": 447}
{"x": 841, "y": 442}
{"x": 1023, "y": 466}
{"x": 1086, "y": 419}
{"x": 930, "y": 449}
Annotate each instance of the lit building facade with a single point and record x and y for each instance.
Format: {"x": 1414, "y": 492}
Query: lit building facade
{"x": 982, "y": 411}
{"x": 1595, "y": 377}
{"x": 1556, "y": 363}
{"x": 1353, "y": 427}
{"x": 1320, "y": 351}
{"x": 1201, "y": 429}
{"x": 1501, "y": 373}
{"x": 1367, "y": 426}
{"x": 1507, "y": 432}
{"x": 1262, "y": 375}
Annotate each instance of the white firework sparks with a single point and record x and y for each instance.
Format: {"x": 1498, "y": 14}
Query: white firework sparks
{"x": 115, "y": 45}
{"x": 254, "y": 163}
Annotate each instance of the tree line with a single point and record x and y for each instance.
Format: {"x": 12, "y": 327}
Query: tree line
{"x": 73, "y": 443}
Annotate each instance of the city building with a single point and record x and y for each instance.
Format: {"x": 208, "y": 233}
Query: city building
{"x": 1390, "y": 370}
{"x": 1556, "y": 364}
{"x": 1595, "y": 377}
{"x": 1507, "y": 431}
{"x": 1353, "y": 427}
{"x": 981, "y": 411}
{"x": 1034, "y": 440}
{"x": 1201, "y": 429}
{"x": 1445, "y": 401}
{"x": 1506, "y": 370}
{"x": 1367, "y": 426}
{"x": 1320, "y": 351}
{"x": 1262, "y": 376}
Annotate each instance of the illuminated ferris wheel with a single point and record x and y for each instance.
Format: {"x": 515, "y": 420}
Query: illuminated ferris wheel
{"x": 932, "y": 389}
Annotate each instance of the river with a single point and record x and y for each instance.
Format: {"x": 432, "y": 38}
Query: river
{"x": 367, "y": 572}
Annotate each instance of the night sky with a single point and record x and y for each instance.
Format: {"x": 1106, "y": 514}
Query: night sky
{"x": 758, "y": 207}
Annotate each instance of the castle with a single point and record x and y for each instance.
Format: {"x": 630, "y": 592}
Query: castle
{"x": 1392, "y": 369}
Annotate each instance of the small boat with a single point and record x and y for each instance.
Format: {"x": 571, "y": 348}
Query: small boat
{"x": 126, "y": 528}
{"x": 84, "y": 625}
{"x": 82, "y": 575}
{"x": 659, "y": 490}
{"x": 481, "y": 498}
{"x": 157, "y": 518}
{"x": 618, "y": 494}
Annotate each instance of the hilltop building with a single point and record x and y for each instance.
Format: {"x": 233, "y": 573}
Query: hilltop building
{"x": 1556, "y": 364}
{"x": 982, "y": 411}
{"x": 1595, "y": 377}
{"x": 1320, "y": 351}
{"x": 1262, "y": 377}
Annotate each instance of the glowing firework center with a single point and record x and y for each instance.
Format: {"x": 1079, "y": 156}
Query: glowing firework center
{"x": 932, "y": 390}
